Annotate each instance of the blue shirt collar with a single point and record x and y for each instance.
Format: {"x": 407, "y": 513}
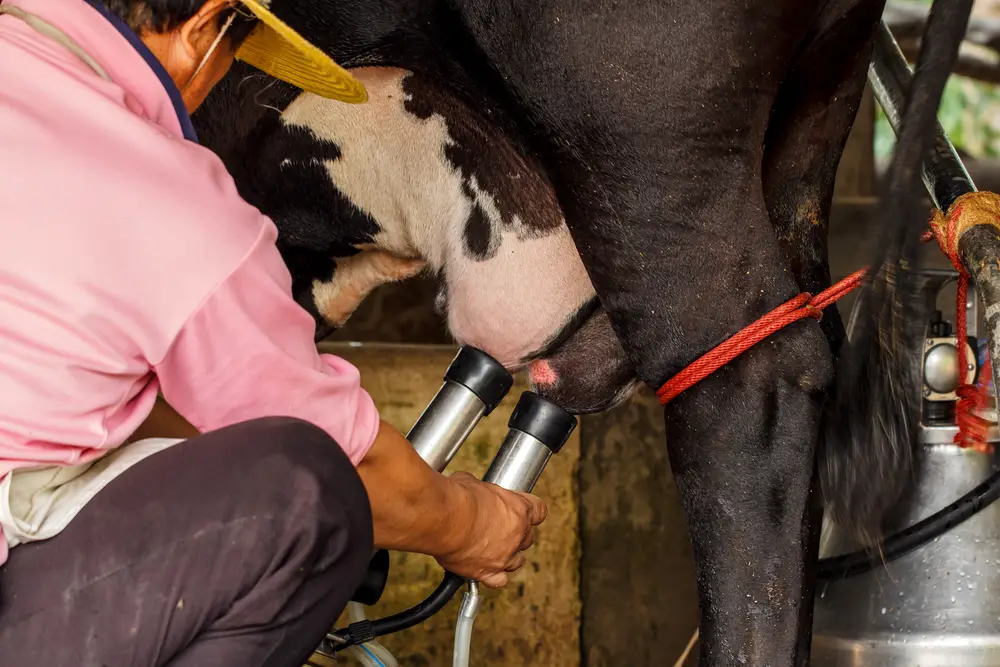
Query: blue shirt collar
{"x": 168, "y": 84}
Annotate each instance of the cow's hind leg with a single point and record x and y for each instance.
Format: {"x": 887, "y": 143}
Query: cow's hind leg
{"x": 742, "y": 447}
{"x": 808, "y": 130}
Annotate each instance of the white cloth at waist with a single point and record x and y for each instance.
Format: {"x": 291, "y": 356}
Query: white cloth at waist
{"x": 38, "y": 503}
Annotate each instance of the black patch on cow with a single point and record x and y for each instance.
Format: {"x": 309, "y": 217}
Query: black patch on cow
{"x": 305, "y": 266}
{"x": 281, "y": 169}
{"x": 484, "y": 154}
{"x": 478, "y": 234}
{"x": 777, "y": 502}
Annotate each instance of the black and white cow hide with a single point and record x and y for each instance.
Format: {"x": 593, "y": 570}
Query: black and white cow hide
{"x": 415, "y": 180}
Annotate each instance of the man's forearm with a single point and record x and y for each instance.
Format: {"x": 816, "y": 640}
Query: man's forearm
{"x": 414, "y": 508}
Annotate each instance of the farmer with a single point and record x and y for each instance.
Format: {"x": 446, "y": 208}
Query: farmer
{"x": 130, "y": 267}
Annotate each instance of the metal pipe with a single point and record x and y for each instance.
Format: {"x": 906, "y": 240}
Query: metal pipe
{"x": 473, "y": 386}
{"x": 538, "y": 429}
{"x": 890, "y": 77}
{"x": 440, "y": 431}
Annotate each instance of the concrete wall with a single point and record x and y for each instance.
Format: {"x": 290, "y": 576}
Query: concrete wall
{"x": 637, "y": 571}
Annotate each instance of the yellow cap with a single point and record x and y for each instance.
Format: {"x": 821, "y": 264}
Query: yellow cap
{"x": 275, "y": 48}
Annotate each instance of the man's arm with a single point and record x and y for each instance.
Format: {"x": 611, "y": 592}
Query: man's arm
{"x": 248, "y": 352}
{"x": 474, "y": 529}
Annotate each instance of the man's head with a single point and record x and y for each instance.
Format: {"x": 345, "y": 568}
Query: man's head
{"x": 197, "y": 41}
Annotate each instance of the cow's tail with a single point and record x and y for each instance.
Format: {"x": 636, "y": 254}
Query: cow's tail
{"x": 867, "y": 457}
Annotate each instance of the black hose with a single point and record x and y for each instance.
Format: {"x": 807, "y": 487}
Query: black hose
{"x": 914, "y": 537}
{"x": 365, "y": 631}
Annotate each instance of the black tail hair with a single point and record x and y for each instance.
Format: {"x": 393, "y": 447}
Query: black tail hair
{"x": 867, "y": 459}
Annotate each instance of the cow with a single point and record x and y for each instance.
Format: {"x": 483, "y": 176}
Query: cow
{"x": 688, "y": 150}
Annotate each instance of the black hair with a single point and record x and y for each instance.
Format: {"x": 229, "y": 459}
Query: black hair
{"x": 164, "y": 15}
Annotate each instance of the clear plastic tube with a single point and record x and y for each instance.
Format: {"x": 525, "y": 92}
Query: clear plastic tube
{"x": 463, "y": 628}
{"x": 371, "y": 654}
{"x": 365, "y": 656}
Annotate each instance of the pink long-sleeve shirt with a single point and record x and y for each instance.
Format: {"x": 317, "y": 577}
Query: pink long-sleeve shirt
{"x": 129, "y": 265}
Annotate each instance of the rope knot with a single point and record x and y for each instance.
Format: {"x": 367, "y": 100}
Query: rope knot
{"x": 813, "y": 311}
{"x": 968, "y": 211}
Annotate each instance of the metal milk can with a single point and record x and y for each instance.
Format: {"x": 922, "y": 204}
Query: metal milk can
{"x": 939, "y": 605}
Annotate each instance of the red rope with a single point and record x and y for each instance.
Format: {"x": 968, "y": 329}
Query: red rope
{"x": 802, "y": 306}
{"x": 972, "y": 429}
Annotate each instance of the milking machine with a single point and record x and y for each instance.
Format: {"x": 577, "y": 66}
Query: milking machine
{"x": 932, "y": 601}
{"x": 928, "y": 596}
{"x": 473, "y": 387}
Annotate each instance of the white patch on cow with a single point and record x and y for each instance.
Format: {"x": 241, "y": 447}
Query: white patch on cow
{"x": 513, "y": 304}
{"x": 393, "y": 167}
{"x": 392, "y": 164}
{"x": 355, "y": 278}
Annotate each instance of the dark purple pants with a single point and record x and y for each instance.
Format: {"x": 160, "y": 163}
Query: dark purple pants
{"x": 238, "y": 548}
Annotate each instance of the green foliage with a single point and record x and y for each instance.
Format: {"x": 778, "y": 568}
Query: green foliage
{"x": 969, "y": 113}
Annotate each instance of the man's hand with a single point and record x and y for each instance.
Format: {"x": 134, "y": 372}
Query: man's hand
{"x": 474, "y": 529}
{"x": 501, "y": 526}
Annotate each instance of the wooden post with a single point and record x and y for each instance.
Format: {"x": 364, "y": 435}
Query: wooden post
{"x": 856, "y": 177}
{"x": 640, "y": 601}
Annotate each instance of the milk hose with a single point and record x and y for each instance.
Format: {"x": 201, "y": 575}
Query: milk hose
{"x": 463, "y": 628}
{"x": 369, "y": 654}
{"x": 917, "y": 535}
